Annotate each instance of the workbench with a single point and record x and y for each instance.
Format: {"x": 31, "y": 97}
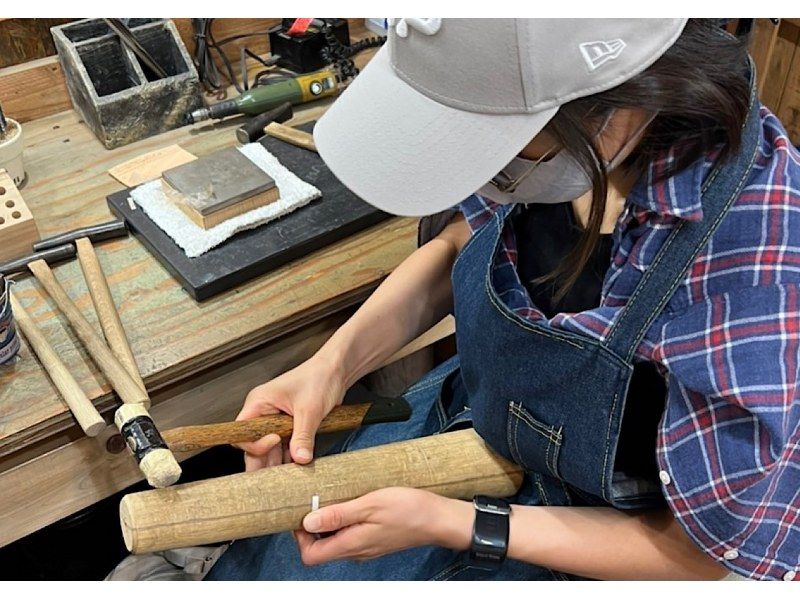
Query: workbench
{"x": 198, "y": 360}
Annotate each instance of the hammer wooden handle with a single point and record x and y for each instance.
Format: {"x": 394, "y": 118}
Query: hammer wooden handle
{"x": 88, "y": 418}
{"x": 190, "y": 438}
{"x": 105, "y": 308}
{"x": 345, "y": 417}
{"x": 291, "y": 135}
{"x": 128, "y": 390}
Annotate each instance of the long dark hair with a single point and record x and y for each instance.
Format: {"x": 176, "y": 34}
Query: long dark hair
{"x": 700, "y": 91}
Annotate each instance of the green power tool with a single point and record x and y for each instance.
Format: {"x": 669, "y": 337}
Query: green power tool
{"x": 297, "y": 90}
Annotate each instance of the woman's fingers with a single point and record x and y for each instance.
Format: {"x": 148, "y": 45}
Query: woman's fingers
{"x": 260, "y": 447}
{"x": 253, "y": 463}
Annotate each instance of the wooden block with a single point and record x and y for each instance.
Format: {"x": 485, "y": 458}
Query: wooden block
{"x": 149, "y": 166}
{"x": 212, "y": 219}
{"x": 17, "y": 227}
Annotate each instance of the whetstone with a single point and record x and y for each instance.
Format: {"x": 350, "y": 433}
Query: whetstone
{"x": 219, "y": 180}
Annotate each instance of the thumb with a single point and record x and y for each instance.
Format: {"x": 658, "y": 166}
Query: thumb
{"x": 306, "y": 423}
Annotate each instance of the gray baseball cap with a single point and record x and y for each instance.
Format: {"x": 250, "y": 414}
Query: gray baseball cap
{"x": 447, "y": 103}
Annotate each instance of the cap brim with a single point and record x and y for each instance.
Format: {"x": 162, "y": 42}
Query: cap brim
{"x": 408, "y": 155}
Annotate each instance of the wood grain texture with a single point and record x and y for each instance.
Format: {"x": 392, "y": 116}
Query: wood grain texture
{"x": 90, "y": 421}
{"x": 70, "y": 477}
{"x": 291, "y": 135}
{"x": 191, "y": 438}
{"x": 172, "y": 336}
{"x": 22, "y": 40}
{"x": 150, "y": 165}
{"x": 106, "y": 310}
{"x": 34, "y": 89}
{"x": 789, "y": 108}
{"x": 779, "y": 65}
{"x": 762, "y": 44}
{"x": 456, "y": 465}
{"x": 116, "y": 374}
{"x": 17, "y": 227}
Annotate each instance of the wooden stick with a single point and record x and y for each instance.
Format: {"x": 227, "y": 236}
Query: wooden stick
{"x": 106, "y": 310}
{"x": 88, "y": 417}
{"x": 291, "y": 135}
{"x": 457, "y": 464}
{"x": 190, "y": 438}
{"x": 128, "y": 390}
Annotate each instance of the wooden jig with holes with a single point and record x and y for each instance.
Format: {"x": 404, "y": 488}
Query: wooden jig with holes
{"x": 17, "y": 228}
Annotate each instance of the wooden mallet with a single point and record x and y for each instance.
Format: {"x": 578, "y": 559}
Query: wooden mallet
{"x": 157, "y": 463}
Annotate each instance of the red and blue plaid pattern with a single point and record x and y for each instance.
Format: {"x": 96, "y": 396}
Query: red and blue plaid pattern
{"x": 728, "y": 342}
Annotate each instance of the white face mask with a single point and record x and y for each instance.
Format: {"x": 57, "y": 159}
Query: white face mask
{"x": 558, "y": 180}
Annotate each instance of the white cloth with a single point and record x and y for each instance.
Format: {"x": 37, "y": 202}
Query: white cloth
{"x": 194, "y": 239}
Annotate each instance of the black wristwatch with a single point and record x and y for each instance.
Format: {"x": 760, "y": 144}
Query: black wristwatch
{"x": 489, "y": 533}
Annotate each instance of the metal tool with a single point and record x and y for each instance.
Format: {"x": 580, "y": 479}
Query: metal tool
{"x": 52, "y": 255}
{"x": 253, "y": 130}
{"x": 3, "y": 122}
{"x": 296, "y": 90}
{"x": 97, "y": 232}
{"x": 131, "y": 42}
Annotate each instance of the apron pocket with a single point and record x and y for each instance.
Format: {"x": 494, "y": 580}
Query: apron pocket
{"x": 534, "y": 445}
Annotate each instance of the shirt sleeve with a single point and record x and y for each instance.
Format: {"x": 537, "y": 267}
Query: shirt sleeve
{"x": 476, "y": 209}
{"x": 729, "y": 442}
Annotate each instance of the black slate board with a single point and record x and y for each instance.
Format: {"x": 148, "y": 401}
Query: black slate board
{"x": 336, "y": 215}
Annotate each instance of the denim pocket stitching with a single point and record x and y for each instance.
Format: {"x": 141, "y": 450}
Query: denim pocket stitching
{"x": 547, "y": 431}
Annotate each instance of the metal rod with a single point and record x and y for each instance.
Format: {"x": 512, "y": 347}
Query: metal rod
{"x": 3, "y": 122}
{"x": 130, "y": 40}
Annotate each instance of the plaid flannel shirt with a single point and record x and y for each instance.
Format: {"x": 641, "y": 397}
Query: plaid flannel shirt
{"x": 728, "y": 343}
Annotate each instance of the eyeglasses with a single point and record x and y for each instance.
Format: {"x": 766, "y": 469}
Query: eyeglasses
{"x": 506, "y": 184}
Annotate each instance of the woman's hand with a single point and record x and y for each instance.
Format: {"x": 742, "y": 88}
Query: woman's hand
{"x": 308, "y": 393}
{"x": 383, "y": 522}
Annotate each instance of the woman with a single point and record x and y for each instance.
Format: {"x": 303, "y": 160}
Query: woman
{"x": 626, "y": 296}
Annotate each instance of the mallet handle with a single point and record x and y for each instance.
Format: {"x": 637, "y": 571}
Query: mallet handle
{"x": 128, "y": 390}
{"x": 291, "y": 135}
{"x": 345, "y": 417}
{"x": 105, "y": 308}
{"x": 88, "y": 417}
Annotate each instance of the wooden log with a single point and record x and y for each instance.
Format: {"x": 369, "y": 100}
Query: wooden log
{"x": 457, "y": 464}
{"x": 127, "y": 388}
{"x": 79, "y": 404}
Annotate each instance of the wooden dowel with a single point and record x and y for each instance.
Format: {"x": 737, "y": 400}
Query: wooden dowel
{"x": 457, "y": 464}
{"x": 106, "y": 310}
{"x": 190, "y": 438}
{"x": 79, "y": 404}
{"x": 291, "y": 135}
{"x": 128, "y": 390}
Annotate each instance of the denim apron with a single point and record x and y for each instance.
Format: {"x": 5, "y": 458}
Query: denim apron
{"x": 550, "y": 400}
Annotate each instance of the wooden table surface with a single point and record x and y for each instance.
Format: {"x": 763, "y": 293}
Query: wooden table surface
{"x": 172, "y": 336}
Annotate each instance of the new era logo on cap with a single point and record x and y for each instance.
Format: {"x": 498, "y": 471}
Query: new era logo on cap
{"x": 597, "y": 54}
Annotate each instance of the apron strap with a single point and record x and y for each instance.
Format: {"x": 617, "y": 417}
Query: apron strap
{"x": 687, "y": 239}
